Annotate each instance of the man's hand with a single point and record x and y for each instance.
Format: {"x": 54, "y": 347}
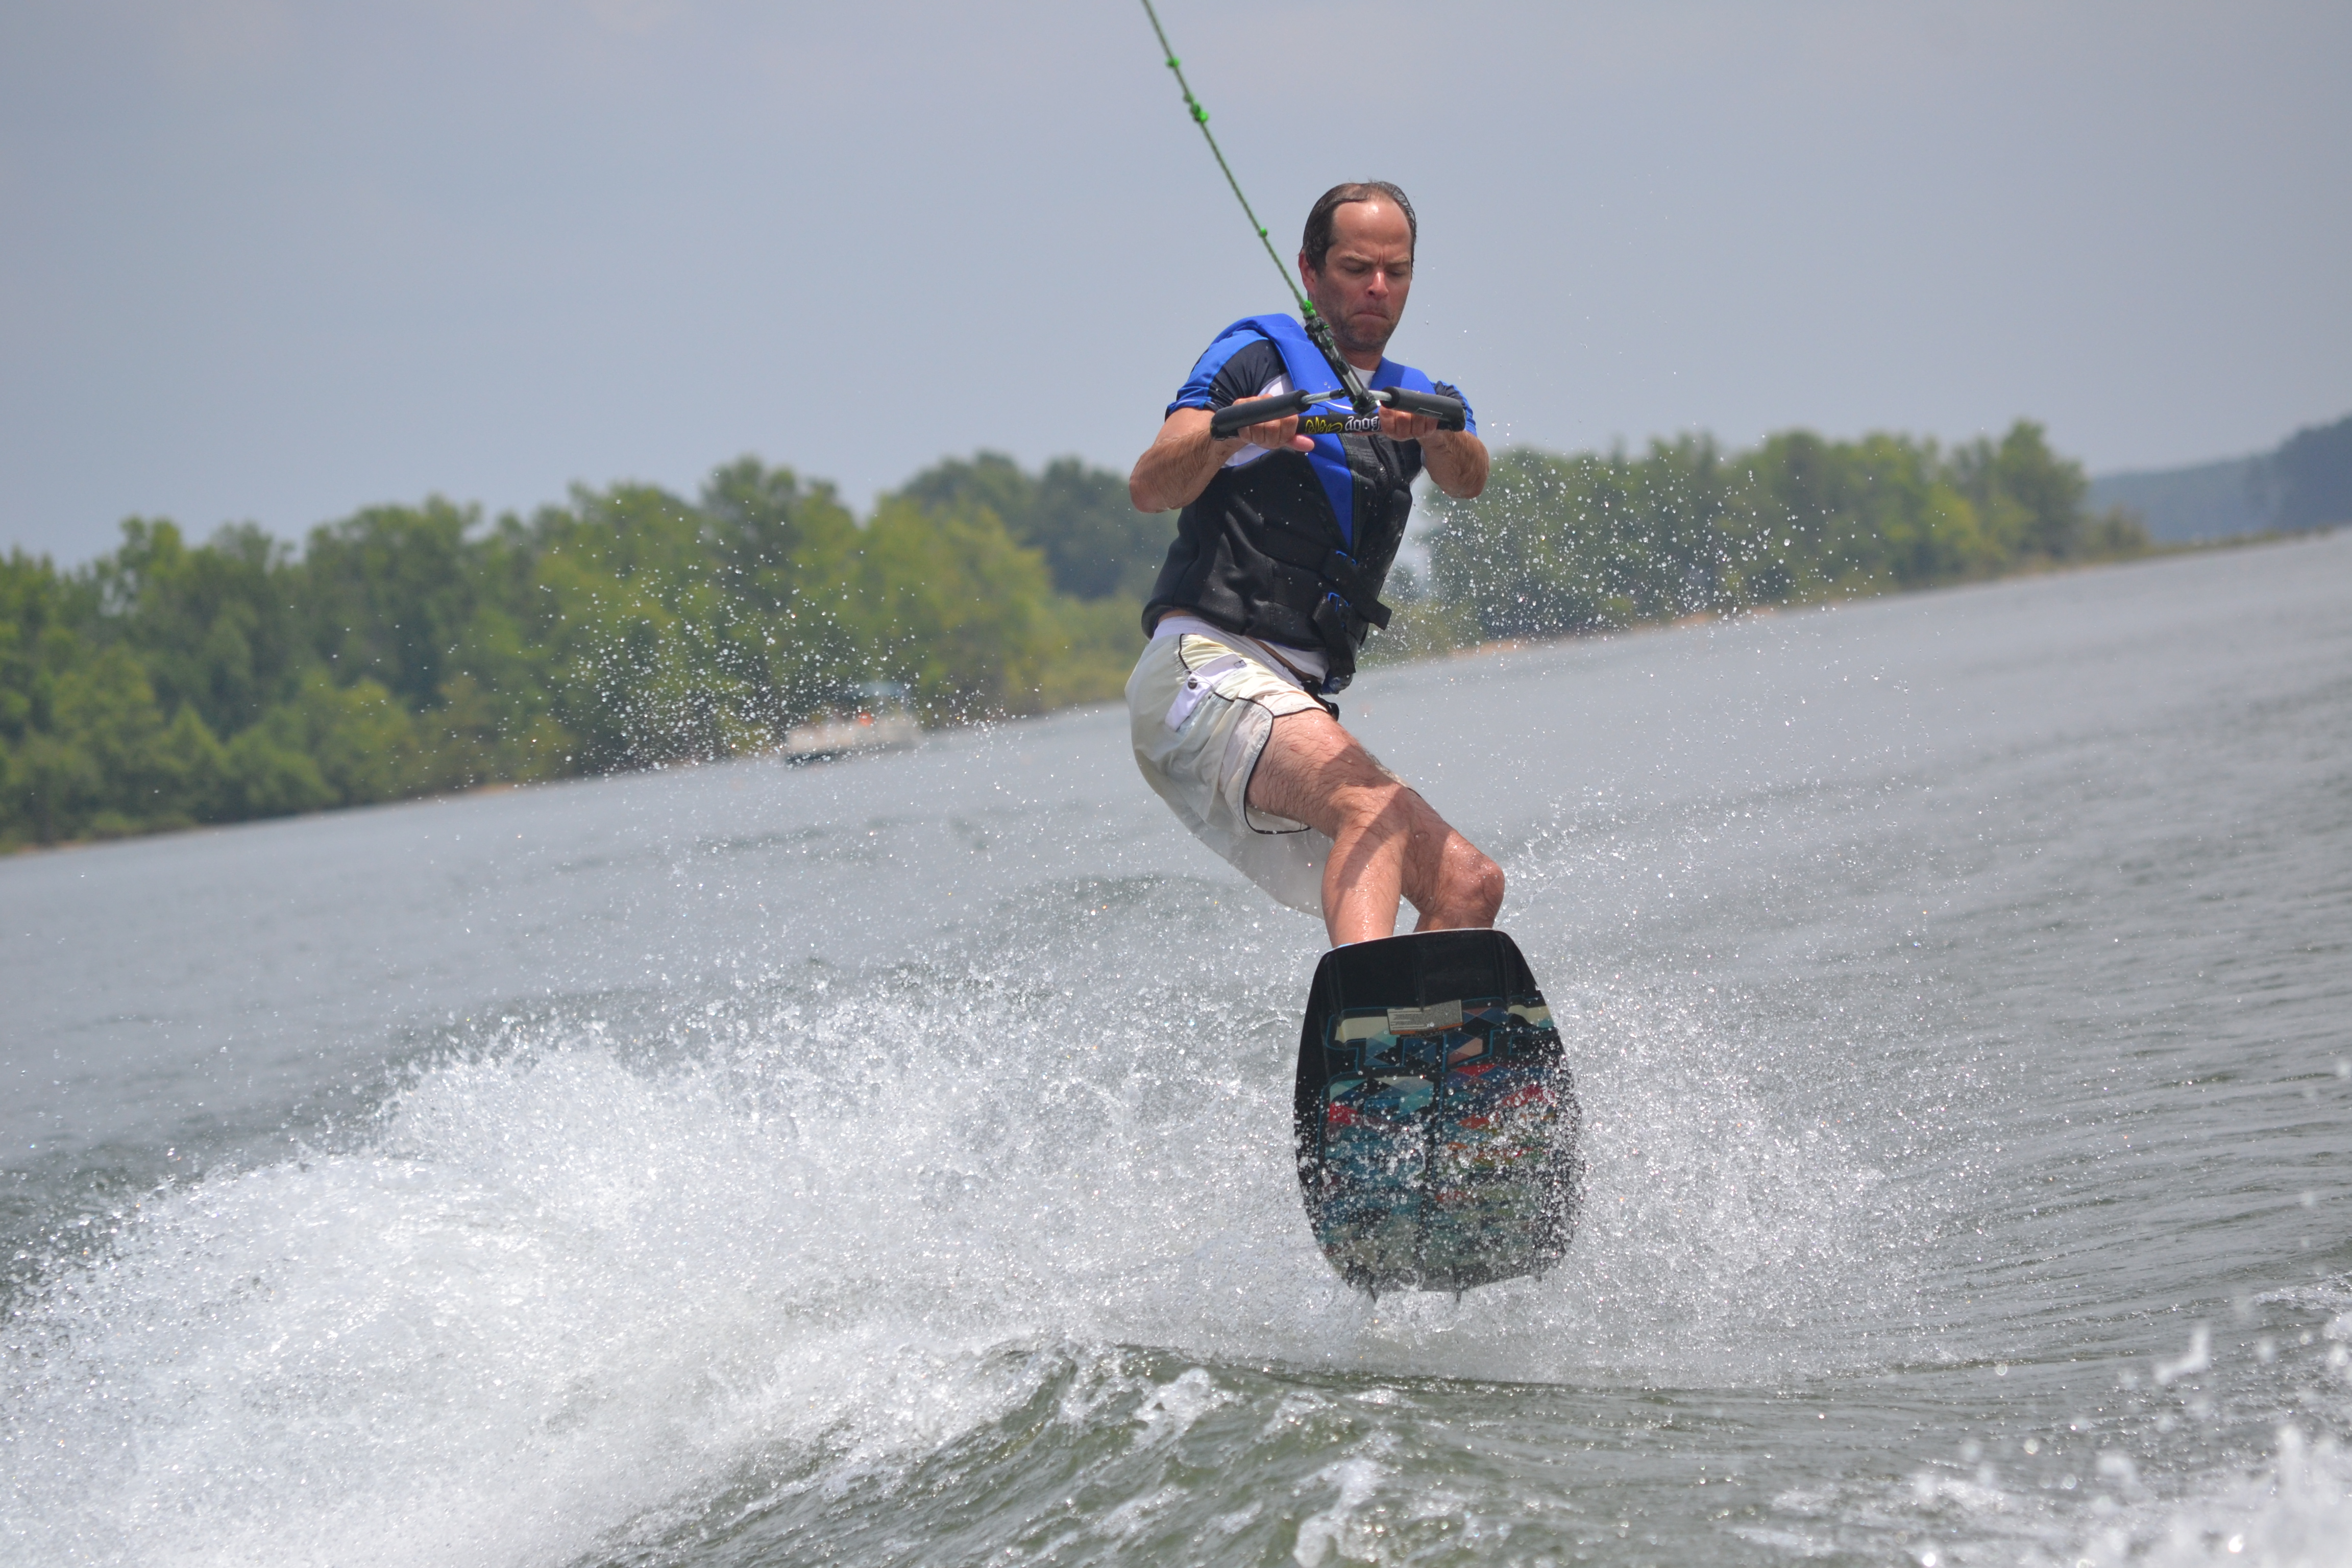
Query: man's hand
{"x": 1182, "y": 460}
{"x": 1398, "y": 425}
{"x": 1276, "y": 435}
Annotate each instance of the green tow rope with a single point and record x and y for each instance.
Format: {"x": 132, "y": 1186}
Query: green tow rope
{"x": 1316, "y": 327}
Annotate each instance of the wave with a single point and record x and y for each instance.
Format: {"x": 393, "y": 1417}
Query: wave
{"x": 586, "y": 1277}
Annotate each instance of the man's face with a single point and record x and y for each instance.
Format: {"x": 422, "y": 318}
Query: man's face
{"x": 1365, "y": 276}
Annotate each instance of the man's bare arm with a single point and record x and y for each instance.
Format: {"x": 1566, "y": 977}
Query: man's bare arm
{"x": 1183, "y": 458}
{"x": 1457, "y": 459}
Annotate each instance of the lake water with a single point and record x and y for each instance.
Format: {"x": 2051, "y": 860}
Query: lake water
{"x": 888, "y": 1162}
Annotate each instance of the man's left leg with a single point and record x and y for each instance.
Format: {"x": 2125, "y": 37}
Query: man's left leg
{"x": 1386, "y": 841}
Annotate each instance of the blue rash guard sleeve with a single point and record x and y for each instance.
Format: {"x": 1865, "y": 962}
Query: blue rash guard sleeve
{"x": 1469, "y": 414}
{"x": 1235, "y": 368}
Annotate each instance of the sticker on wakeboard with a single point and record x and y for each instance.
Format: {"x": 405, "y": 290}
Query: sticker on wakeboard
{"x": 1436, "y": 1122}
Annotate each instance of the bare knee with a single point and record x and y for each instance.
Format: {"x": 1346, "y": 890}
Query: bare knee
{"x": 1463, "y": 889}
{"x": 1475, "y": 888}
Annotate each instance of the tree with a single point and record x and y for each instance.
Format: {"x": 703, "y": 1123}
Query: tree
{"x": 952, "y": 607}
{"x": 1594, "y": 541}
{"x": 2031, "y": 498}
{"x": 412, "y": 648}
{"x": 1096, "y": 545}
{"x": 2307, "y": 482}
{"x": 389, "y": 593}
{"x": 215, "y": 628}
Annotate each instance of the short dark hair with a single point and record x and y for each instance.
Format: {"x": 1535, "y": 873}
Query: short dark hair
{"x": 1318, "y": 242}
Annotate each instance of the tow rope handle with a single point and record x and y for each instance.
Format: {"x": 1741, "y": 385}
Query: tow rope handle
{"x": 1234, "y": 419}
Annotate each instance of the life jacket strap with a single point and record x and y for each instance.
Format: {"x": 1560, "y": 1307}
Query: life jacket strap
{"x": 1344, "y": 580}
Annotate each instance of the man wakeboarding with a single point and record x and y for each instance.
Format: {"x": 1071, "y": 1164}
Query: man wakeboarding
{"x": 1273, "y": 584}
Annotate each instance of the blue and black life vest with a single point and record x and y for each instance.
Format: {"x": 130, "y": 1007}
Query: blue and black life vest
{"x": 1294, "y": 547}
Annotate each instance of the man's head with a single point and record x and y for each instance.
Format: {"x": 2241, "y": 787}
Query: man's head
{"x": 1356, "y": 260}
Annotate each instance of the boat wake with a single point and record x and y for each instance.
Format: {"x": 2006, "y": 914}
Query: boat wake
{"x": 593, "y": 1275}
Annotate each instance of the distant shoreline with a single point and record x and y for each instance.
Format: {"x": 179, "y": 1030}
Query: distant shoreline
{"x": 1488, "y": 648}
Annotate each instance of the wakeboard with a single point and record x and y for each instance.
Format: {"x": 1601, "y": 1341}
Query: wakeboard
{"x": 1436, "y": 1120}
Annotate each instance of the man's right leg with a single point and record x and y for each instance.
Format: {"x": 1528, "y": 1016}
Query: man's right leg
{"x": 1386, "y": 842}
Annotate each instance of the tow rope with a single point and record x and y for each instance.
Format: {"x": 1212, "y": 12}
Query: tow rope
{"x": 1447, "y": 411}
{"x": 1316, "y": 327}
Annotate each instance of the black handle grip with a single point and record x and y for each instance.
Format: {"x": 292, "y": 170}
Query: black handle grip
{"x": 1447, "y": 411}
{"x": 1234, "y": 419}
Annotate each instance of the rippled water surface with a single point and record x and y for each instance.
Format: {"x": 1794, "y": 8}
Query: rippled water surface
{"x": 886, "y": 1161}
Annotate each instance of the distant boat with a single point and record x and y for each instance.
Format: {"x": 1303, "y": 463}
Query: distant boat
{"x": 883, "y": 721}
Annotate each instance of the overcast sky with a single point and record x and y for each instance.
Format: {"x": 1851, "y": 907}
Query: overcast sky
{"x": 276, "y": 261}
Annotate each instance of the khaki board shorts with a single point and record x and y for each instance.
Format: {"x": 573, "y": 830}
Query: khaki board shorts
{"x": 1200, "y": 711}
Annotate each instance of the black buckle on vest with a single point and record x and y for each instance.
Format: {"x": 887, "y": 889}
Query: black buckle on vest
{"x": 1340, "y": 569}
{"x": 1338, "y": 624}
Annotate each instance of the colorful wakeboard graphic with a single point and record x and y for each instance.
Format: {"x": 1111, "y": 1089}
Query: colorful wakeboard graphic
{"x": 1436, "y": 1122}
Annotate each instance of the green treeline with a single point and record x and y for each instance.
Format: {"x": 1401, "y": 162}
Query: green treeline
{"x": 407, "y": 650}
{"x": 1559, "y": 545}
